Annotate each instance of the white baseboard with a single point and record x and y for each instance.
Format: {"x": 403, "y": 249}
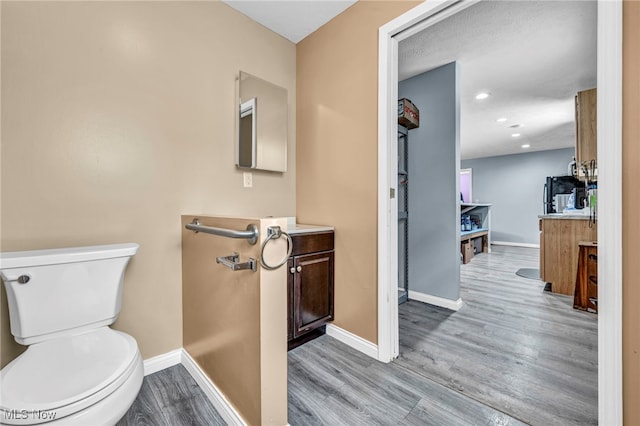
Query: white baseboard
{"x": 509, "y": 243}
{"x": 350, "y": 339}
{"x": 453, "y": 305}
{"x": 160, "y": 362}
{"x": 217, "y": 398}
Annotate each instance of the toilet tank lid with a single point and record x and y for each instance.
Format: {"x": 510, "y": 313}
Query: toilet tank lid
{"x": 21, "y": 259}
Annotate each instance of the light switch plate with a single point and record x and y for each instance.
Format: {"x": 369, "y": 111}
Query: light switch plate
{"x": 248, "y": 179}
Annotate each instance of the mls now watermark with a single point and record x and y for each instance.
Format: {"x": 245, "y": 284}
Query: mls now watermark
{"x": 29, "y": 415}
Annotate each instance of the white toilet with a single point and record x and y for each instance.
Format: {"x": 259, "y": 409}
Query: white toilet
{"x": 76, "y": 370}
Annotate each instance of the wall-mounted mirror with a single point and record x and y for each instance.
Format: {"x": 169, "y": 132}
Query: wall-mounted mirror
{"x": 262, "y": 110}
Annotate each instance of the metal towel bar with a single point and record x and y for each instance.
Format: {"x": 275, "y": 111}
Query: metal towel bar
{"x": 251, "y": 234}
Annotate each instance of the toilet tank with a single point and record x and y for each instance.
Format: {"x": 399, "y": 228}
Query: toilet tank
{"x": 63, "y": 291}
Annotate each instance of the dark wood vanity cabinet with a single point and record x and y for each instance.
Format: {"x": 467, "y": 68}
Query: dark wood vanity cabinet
{"x": 310, "y": 286}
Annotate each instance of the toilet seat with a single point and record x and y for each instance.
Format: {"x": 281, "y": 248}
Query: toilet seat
{"x": 65, "y": 375}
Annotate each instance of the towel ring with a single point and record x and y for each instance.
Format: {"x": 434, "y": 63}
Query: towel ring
{"x": 273, "y": 233}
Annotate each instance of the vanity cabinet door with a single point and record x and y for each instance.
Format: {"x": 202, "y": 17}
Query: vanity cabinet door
{"x": 312, "y": 291}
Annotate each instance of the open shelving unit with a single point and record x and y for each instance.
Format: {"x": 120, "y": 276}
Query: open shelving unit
{"x": 481, "y": 233}
{"x": 403, "y": 214}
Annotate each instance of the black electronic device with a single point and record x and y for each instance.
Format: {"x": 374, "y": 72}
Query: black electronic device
{"x": 555, "y": 185}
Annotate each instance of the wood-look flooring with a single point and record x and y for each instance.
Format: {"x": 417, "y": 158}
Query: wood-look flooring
{"x": 171, "y": 397}
{"x": 513, "y": 354}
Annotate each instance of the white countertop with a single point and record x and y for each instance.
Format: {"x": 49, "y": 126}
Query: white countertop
{"x": 578, "y": 216}
{"x": 299, "y": 228}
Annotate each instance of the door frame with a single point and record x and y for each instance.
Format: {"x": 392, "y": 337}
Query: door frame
{"x": 609, "y": 83}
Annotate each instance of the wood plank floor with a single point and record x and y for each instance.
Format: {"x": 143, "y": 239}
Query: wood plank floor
{"x": 171, "y": 398}
{"x": 512, "y": 354}
{"x": 333, "y": 384}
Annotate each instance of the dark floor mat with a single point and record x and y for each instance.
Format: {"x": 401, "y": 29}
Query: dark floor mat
{"x": 532, "y": 273}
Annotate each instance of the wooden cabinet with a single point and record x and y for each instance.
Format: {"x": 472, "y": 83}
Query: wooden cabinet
{"x": 586, "y": 294}
{"x": 310, "y": 286}
{"x": 586, "y": 126}
{"x": 559, "y": 239}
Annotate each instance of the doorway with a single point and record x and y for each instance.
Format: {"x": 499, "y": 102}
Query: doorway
{"x": 609, "y": 228}
{"x": 466, "y": 185}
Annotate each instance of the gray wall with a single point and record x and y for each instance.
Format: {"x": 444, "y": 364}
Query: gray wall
{"x": 514, "y": 185}
{"x": 434, "y": 158}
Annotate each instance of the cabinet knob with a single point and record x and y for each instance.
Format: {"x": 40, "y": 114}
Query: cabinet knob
{"x": 292, "y": 270}
{"x": 299, "y": 268}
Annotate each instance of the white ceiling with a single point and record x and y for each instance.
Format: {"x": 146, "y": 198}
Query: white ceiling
{"x": 531, "y": 56}
{"x": 292, "y": 19}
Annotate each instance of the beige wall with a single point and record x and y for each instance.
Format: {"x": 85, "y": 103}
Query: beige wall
{"x": 631, "y": 206}
{"x": 235, "y": 322}
{"x": 118, "y": 117}
{"x": 337, "y": 173}
{"x": 337, "y": 151}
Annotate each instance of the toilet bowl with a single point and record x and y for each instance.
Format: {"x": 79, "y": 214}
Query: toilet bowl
{"x": 76, "y": 370}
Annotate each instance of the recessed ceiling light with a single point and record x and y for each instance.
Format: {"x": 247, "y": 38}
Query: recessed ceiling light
{"x": 501, "y": 119}
{"x": 515, "y": 135}
{"x": 482, "y": 95}
{"x": 515, "y": 126}
{"x": 526, "y": 145}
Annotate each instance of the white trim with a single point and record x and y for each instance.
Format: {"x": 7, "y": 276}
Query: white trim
{"x": 160, "y": 362}
{"x": 217, "y": 398}
{"x": 453, "y": 305}
{"x": 414, "y": 20}
{"x": 356, "y": 342}
{"x": 509, "y": 243}
{"x": 422, "y": 16}
{"x": 610, "y": 212}
{"x": 609, "y": 62}
{"x": 387, "y": 208}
